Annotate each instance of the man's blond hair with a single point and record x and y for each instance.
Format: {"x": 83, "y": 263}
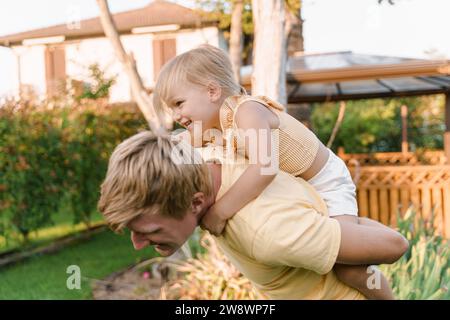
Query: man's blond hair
{"x": 199, "y": 66}
{"x": 151, "y": 174}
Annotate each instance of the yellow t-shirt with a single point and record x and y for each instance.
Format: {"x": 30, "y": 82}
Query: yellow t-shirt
{"x": 283, "y": 241}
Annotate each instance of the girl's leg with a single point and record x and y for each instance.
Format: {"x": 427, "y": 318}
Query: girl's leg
{"x": 371, "y": 283}
{"x": 360, "y": 277}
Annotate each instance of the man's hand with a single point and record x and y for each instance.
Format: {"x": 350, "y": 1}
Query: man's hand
{"x": 213, "y": 221}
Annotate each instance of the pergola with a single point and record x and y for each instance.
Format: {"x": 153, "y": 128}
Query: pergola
{"x": 345, "y": 76}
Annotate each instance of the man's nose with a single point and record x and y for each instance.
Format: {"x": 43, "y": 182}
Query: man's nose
{"x": 139, "y": 242}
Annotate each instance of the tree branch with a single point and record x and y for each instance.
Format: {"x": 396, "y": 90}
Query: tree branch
{"x": 137, "y": 88}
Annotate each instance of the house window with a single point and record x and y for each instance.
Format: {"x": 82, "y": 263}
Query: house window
{"x": 163, "y": 51}
{"x": 55, "y": 69}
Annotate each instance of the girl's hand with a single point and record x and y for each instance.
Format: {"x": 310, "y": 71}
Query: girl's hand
{"x": 213, "y": 221}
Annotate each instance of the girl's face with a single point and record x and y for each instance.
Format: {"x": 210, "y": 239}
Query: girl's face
{"x": 194, "y": 104}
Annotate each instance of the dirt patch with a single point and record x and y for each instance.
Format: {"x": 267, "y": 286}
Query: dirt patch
{"x": 140, "y": 282}
{"x": 127, "y": 285}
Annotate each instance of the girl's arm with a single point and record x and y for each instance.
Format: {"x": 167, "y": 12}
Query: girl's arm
{"x": 258, "y": 122}
{"x": 369, "y": 242}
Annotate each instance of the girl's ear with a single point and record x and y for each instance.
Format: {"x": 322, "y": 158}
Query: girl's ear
{"x": 214, "y": 91}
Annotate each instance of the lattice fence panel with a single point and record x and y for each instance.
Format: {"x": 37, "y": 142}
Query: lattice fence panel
{"x": 384, "y": 190}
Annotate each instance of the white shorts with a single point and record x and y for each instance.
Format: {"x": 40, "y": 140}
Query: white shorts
{"x": 335, "y": 185}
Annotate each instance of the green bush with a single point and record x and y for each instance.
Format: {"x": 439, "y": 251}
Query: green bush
{"x": 30, "y": 158}
{"x": 375, "y": 125}
{"x": 99, "y": 85}
{"x": 50, "y": 156}
{"x": 424, "y": 271}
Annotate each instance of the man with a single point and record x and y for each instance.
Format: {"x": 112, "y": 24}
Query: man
{"x": 282, "y": 241}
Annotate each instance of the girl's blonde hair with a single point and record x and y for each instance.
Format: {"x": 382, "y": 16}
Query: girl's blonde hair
{"x": 151, "y": 174}
{"x": 199, "y": 66}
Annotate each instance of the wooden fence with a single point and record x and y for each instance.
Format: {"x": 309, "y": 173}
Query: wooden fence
{"x": 394, "y": 158}
{"x": 383, "y": 190}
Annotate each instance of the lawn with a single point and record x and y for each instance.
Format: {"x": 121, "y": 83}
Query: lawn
{"x": 44, "y": 277}
{"x": 63, "y": 226}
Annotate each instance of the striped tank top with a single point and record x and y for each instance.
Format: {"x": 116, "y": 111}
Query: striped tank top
{"x": 297, "y": 145}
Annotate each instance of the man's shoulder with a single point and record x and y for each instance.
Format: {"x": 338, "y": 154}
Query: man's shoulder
{"x": 240, "y": 233}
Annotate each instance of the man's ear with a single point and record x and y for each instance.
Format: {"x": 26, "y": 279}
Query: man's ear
{"x": 214, "y": 91}
{"x": 198, "y": 202}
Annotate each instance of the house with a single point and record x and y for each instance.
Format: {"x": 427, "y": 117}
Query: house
{"x": 152, "y": 35}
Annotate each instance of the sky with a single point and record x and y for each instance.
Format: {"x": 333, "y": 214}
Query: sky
{"x": 410, "y": 28}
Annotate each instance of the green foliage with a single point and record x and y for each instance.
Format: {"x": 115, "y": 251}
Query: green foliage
{"x": 51, "y": 157}
{"x": 220, "y": 10}
{"x": 424, "y": 271}
{"x": 29, "y": 147}
{"x": 99, "y": 85}
{"x": 194, "y": 242}
{"x": 375, "y": 125}
{"x": 426, "y": 121}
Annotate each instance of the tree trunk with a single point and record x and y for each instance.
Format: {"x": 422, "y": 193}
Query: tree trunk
{"x": 269, "y": 50}
{"x": 338, "y": 123}
{"x": 236, "y": 41}
{"x": 294, "y": 32}
{"x": 137, "y": 88}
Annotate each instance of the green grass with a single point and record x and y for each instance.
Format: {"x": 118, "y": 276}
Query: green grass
{"x": 44, "y": 277}
{"x": 63, "y": 226}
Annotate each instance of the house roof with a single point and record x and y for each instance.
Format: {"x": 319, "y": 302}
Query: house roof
{"x": 347, "y": 75}
{"x": 156, "y": 13}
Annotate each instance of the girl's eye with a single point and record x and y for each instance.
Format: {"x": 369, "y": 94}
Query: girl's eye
{"x": 178, "y": 103}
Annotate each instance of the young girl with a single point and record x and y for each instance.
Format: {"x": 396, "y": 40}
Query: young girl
{"x": 199, "y": 89}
